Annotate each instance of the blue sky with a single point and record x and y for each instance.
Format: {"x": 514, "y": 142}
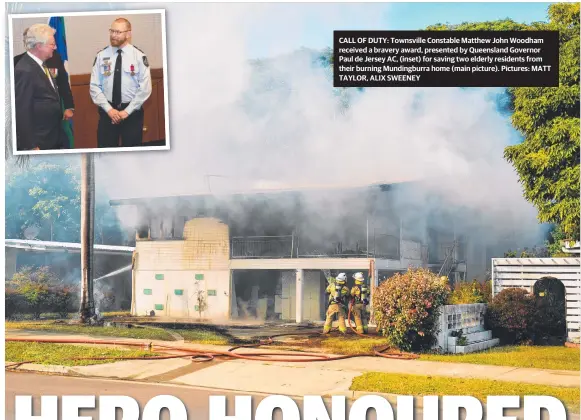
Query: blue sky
{"x": 284, "y": 27}
{"x": 311, "y": 24}
{"x": 420, "y": 15}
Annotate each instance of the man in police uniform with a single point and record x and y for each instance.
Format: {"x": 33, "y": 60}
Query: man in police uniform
{"x": 120, "y": 84}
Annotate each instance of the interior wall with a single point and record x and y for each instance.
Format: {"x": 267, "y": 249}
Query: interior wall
{"x": 87, "y": 35}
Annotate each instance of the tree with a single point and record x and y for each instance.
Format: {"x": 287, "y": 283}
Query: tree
{"x": 547, "y": 161}
{"x": 46, "y": 195}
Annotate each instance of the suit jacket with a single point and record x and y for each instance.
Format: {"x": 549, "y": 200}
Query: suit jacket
{"x": 56, "y": 62}
{"x": 37, "y": 107}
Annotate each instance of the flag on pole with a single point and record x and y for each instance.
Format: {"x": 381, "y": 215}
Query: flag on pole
{"x": 60, "y": 37}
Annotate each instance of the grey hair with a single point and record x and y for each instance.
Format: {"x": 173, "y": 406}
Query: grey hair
{"x": 37, "y": 34}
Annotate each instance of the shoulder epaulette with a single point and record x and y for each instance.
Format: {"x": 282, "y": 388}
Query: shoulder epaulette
{"x": 138, "y": 49}
{"x": 98, "y": 52}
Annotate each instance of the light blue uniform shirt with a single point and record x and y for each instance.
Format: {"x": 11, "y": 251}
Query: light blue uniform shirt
{"x": 135, "y": 78}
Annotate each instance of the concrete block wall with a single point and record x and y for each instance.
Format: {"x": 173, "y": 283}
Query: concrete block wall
{"x": 206, "y": 246}
{"x": 470, "y": 319}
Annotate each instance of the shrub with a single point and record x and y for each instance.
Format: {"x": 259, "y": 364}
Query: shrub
{"x": 37, "y": 291}
{"x": 14, "y": 303}
{"x": 473, "y": 292}
{"x": 62, "y": 299}
{"x": 407, "y": 307}
{"x": 486, "y": 290}
{"x": 36, "y": 296}
{"x": 510, "y": 315}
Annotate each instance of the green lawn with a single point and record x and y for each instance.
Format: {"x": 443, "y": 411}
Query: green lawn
{"x": 145, "y": 333}
{"x": 195, "y": 334}
{"x": 541, "y": 357}
{"x": 418, "y": 385}
{"x": 61, "y": 354}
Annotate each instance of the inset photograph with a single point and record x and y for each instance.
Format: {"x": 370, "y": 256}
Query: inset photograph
{"x": 89, "y": 82}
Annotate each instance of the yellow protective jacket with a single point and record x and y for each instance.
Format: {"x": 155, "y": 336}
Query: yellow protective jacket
{"x": 341, "y": 291}
{"x": 360, "y": 294}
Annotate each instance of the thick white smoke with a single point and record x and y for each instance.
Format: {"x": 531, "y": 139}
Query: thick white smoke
{"x": 236, "y": 125}
{"x": 228, "y": 126}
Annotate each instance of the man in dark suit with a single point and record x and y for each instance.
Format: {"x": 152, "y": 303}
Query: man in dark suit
{"x": 37, "y": 100}
{"x": 56, "y": 67}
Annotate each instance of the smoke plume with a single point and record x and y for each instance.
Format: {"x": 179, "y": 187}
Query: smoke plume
{"x": 241, "y": 124}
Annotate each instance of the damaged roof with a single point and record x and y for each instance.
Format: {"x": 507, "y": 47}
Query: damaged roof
{"x": 259, "y": 192}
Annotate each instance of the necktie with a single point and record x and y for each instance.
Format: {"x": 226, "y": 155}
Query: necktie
{"x": 117, "y": 80}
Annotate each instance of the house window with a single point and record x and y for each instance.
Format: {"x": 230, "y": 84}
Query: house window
{"x": 159, "y": 276}
{"x": 179, "y": 292}
{"x": 158, "y": 307}
{"x": 212, "y": 293}
{"x": 199, "y": 277}
{"x": 147, "y": 291}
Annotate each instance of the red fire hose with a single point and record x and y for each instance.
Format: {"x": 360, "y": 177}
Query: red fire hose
{"x": 206, "y": 356}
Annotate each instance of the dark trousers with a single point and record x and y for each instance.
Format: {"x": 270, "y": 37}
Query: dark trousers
{"x": 129, "y": 130}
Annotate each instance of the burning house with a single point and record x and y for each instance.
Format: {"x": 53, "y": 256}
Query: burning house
{"x": 267, "y": 255}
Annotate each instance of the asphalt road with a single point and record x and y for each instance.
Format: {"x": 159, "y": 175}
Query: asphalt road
{"x": 196, "y": 400}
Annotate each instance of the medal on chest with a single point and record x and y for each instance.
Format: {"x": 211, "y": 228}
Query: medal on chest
{"x": 132, "y": 68}
{"x": 106, "y": 66}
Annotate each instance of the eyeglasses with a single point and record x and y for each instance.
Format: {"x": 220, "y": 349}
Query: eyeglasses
{"x": 115, "y": 32}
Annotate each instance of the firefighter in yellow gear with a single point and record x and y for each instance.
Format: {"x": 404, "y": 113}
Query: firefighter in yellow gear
{"x": 338, "y": 298}
{"x": 360, "y": 300}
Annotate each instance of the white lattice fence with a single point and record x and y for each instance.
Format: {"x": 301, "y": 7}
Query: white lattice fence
{"x": 524, "y": 272}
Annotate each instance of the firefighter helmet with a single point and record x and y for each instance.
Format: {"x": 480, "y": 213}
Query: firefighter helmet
{"x": 341, "y": 278}
{"x": 359, "y": 279}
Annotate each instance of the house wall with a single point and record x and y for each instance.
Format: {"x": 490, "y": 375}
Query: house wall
{"x": 475, "y": 261}
{"x": 87, "y": 35}
{"x": 175, "y": 293}
{"x": 201, "y": 261}
{"x": 198, "y": 263}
